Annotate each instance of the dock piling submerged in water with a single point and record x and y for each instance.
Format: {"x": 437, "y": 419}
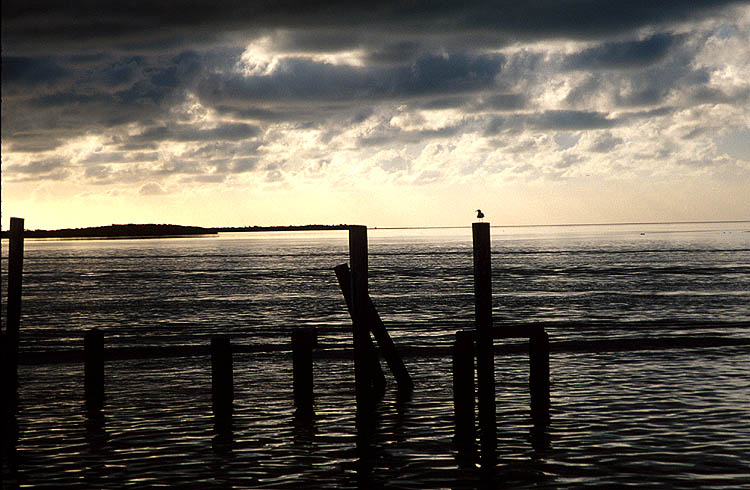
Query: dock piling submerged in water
{"x": 93, "y": 370}
{"x": 481, "y": 342}
{"x": 303, "y": 343}
{"x": 222, "y": 385}
{"x": 13, "y": 315}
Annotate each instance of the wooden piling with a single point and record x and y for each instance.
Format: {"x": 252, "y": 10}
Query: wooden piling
{"x": 93, "y": 371}
{"x": 539, "y": 383}
{"x": 302, "y": 367}
{"x": 222, "y": 388}
{"x": 13, "y": 318}
{"x": 463, "y": 388}
{"x": 484, "y": 343}
{"x": 362, "y": 353}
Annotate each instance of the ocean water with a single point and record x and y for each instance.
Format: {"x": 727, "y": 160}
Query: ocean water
{"x": 649, "y": 324}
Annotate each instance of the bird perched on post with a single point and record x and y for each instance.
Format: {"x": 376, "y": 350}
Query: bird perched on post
{"x": 480, "y": 214}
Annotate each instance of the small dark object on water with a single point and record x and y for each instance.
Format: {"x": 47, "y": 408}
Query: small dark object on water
{"x": 480, "y": 214}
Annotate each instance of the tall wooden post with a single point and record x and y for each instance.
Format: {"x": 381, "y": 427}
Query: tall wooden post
{"x": 302, "y": 368}
{"x": 222, "y": 389}
{"x": 93, "y": 369}
{"x": 15, "y": 275}
{"x": 484, "y": 343}
{"x": 463, "y": 389}
{"x": 539, "y": 377}
{"x": 362, "y": 354}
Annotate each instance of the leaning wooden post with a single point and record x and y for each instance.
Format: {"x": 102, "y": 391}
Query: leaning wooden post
{"x": 484, "y": 344}
{"x": 302, "y": 368}
{"x": 93, "y": 369}
{"x": 222, "y": 390}
{"x": 463, "y": 388}
{"x": 15, "y": 274}
{"x": 358, "y": 261}
{"x": 539, "y": 377}
{"x": 376, "y": 371}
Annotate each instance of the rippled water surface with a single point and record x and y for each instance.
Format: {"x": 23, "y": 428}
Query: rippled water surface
{"x": 652, "y": 410}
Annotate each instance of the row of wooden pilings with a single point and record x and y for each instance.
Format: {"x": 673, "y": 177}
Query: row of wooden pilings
{"x": 469, "y": 346}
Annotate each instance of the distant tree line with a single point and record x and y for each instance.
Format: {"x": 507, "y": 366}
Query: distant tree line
{"x": 161, "y": 230}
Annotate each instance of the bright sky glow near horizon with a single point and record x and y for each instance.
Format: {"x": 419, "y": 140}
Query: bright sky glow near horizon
{"x": 378, "y": 113}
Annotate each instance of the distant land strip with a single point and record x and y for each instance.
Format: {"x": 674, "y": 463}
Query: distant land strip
{"x": 160, "y": 230}
{"x": 167, "y": 230}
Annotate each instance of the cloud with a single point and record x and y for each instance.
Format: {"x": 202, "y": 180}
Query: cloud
{"x": 605, "y": 143}
{"x": 186, "y": 132}
{"x": 151, "y": 189}
{"x": 306, "y": 81}
{"x": 32, "y": 71}
{"x": 45, "y": 169}
{"x": 134, "y": 24}
{"x": 623, "y": 55}
{"x": 571, "y": 120}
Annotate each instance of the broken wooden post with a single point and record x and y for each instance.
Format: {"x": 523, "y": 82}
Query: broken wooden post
{"x": 13, "y": 318}
{"x": 222, "y": 389}
{"x": 539, "y": 383}
{"x": 377, "y": 327}
{"x": 93, "y": 369}
{"x": 463, "y": 389}
{"x": 303, "y": 340}
{"x": 484, "y": 344}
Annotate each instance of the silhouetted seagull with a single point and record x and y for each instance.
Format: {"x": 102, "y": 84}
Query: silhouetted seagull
{"x": 480, "y": 214}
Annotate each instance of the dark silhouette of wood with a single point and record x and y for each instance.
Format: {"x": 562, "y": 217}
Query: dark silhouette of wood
{"x": 539, "y": 383}
{"x": 463, "y": 389}
{"x": 363, "y": 353}
{"x": 222, "y": 388}
{"x": 377, "y": 327}
{"x": 484, "y": 335}
{"x": 517, "y": 331}
{"x": 303, "y": 342}
{"x": 376, "y": 371}
{"x": 93, "y": 370}
{"x": 13, "y": 317}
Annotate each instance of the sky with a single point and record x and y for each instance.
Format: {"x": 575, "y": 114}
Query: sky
{"x": 379, "y": 113}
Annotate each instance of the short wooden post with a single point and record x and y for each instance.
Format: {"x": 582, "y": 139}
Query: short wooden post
{"x": 93, "y": 371}
{"x": 539, "y": 383}
{"x": 362, "y": 352}
{"x": 15, "y": 275}
{"x": 463, "y": 388}
{"x": 222, "y": 389}
{"x": 302, "y": 368}
{"x": 484, "y": 342}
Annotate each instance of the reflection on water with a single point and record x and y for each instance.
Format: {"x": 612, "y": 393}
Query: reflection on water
{"x": 618, "y": 418}
{"x": 623, "y": 412}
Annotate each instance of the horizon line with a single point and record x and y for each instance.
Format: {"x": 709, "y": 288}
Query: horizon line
{"x": 623, "y": 223}
{"x": 453, "y": 227}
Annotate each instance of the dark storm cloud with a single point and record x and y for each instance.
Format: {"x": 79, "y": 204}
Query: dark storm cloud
{"x": 34, "y": 142}
{"x": 623, "y": 55}
{"x": 32, "y": 71}
{"x": 185, "y": 132}
{"x": 571, "y": 120}
{"x": 552, "y": 121}
{"x": 45, "y": 169}
{"x": 33, "y": 25}
{"x": 305, "y": 80}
